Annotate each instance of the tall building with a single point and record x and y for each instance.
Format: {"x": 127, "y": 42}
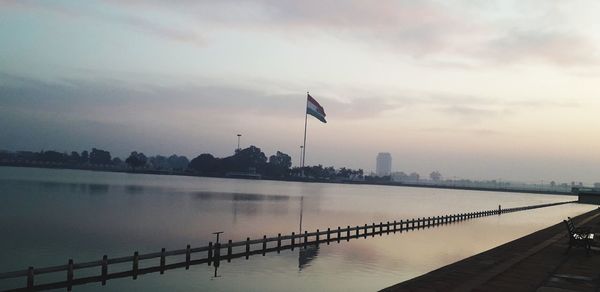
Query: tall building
{"x": 384, "y": 164}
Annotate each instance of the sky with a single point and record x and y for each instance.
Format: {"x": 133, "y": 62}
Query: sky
{"x": 474, "y": 89}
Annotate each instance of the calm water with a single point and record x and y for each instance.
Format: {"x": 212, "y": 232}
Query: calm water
{"x": 48, "y": 216}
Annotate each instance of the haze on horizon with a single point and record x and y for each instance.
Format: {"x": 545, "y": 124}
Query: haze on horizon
{"x": 500, "y": 89}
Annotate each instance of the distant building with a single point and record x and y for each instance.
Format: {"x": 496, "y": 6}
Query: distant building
{"x": 384, "y": 164}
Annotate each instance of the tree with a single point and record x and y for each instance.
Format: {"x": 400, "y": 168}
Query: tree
{"x": 117, "y": 161}
{"x": 52, "y": 156}
{"x": 75, "y": 157}
{"x": 414, "y": 177}
{"x": 85, "y": 156}
{"x": 400, "y": 176}
{"x": 99, "y": 156}
{"x": 136, "y": 160}
{"x": 435, "y": 176}
{"x": 247, "y": 159}
{"x": 158, "y": 162}
{"x": 279, "y": 165}
{"x": 205, "y": 164}
{"x": 178, "y": 162}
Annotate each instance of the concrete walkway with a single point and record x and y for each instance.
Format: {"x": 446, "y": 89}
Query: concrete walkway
{"x": 536, "y": 262}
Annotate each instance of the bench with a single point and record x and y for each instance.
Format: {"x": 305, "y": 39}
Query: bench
{"x": 579, "y": 236}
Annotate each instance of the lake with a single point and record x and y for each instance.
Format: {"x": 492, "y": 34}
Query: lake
{"x": 48, "y": 216}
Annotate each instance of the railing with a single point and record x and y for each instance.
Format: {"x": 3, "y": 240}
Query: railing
{"x": 212, "y": 253}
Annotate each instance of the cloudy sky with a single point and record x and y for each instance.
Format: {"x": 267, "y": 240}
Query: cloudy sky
{"x": 474, "y": 89}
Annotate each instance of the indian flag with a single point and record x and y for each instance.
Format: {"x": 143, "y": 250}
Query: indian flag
{"x": 314, "y": 109}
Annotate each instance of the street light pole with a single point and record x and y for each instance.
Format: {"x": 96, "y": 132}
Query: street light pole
{"x": 300, "y": 163}
{"x": 238, "y": 148}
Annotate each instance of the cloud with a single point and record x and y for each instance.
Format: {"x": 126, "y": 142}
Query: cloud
{"x": 467, "y": 131}
{"x": 102, "y": 99}
{"x": 128, "y": 18}
{"x": 93, "y": 99}
{"x": 417, "y": 28}
{"x": 456, "y": 35}
{"x": 467, "y": 33}
{"x": 471, "y": 111}
{"x": 558, "y": 48}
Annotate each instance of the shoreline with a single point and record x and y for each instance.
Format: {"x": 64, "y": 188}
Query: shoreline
{"x": 293, "y": 179}
{"x": 534, "y": 262}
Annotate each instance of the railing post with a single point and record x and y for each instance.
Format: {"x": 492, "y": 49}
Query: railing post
{"x": 401, "y": 225}
{"x": 357, "y": 233}
{"x": 278, "y": 242}
{"x": 380, "y": 228}
{"x": 293, "y": 240}
{"x": 210, "y": 253}
{"x": 395, "y": 226}
{"x": 70, "y": 274}
{"x": 104, "y": 269}
{"x": 217, "y": 255}
{"x": 162, "y": 261}
{"x": 229, "y": 251}
{"x": 365, "y": 231}
{"x": 317, "y": 237}
{"x": 413, "y": 224}
{"x": 339, "y": 233}
{"x": 136, "y": 259}
{"x": 247, "y": 247}
{"x": 348, "y": 233}
{"x": 373, "y": 233}
{"x": 499, "y": 209}
{"x": 188, "y": 256}
{"x": 264, "y": 250}
{"x": 328, "y": 235}
{"x": 30, "y": 277}
{"x": 388, "y": 228}
{"x": 305, "y": 238}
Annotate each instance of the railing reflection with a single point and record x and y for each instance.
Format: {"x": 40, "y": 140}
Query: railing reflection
{"x": 215, "y": 254}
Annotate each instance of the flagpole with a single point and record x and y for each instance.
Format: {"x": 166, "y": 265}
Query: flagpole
{"x": 305, "y": 122}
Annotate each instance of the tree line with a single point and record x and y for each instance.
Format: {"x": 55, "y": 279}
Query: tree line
{"x": 250, "y": 160}
{"x": 99, "y": 158}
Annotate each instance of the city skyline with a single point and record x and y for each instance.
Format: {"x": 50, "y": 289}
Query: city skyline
{"x": 502, "y": 89}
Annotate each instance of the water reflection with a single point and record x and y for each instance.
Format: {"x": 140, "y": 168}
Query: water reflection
{"x": 238, "y": 196}
{"x": 54, "y": 215}
{"x": 306, "y": 255}
{"x": 134, "y": 189}
{"x": 97, "y": 189}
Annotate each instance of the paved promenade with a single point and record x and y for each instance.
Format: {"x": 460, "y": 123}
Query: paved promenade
{"x": 536, "y": 262}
